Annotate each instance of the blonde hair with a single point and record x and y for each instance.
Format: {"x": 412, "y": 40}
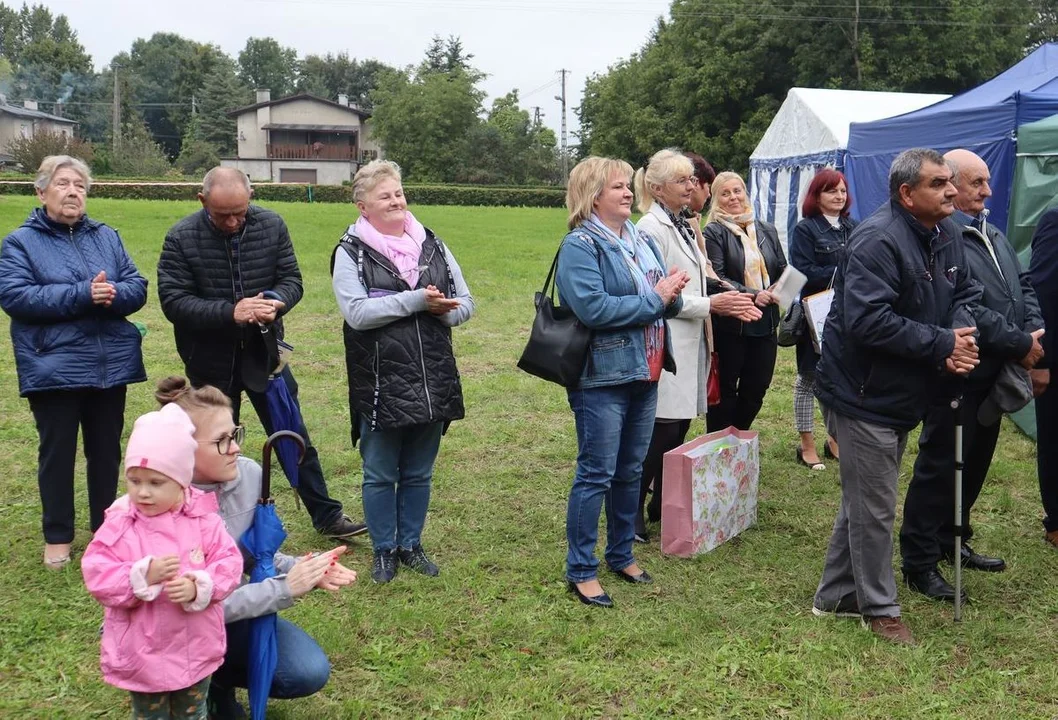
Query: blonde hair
{"x": 721, "y": 180}
{"x": 664, "y": 166}
{"x": 54, "y": 163}
{"x": 586, "y": 183}
{"x": 372, "y": 174}
{"x": 194, "y": 401}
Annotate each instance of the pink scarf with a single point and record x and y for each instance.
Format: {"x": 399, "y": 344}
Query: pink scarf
{"x": 403, "y": 251}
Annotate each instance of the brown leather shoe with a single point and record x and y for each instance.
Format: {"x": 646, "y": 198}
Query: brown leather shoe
{"x": 1052, "y": 537}
{"x": 889, "y": 628}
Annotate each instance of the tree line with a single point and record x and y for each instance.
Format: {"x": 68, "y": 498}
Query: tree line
{"x": 174, "y": 94}
{"x": 712, "y": 77}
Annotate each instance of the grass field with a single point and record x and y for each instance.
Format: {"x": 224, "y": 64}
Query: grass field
{"x": 726, "y": 635}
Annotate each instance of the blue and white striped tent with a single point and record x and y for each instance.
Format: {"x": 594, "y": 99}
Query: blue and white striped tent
{"x": 811, "y": 131}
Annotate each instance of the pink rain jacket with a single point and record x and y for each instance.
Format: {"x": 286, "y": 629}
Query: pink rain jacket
{"x": 151, "y": 644}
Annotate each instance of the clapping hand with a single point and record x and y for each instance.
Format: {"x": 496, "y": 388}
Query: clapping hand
{"x": 735, "y": 304}
{"x": 964, "y": 356}
{"x": 672, "y": 285}
{"x": 103, "y": 293}
{"x": 322, "y": 571}
{"x": 437, "y": 303}
{"x": 182, "y": 589}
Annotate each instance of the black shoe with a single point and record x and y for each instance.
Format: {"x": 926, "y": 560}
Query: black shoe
{"x": 384, "y": 568}
{"x": 595, "y": 601}
{"x": 931, "y": 584}
{"x": 817, "y": 466}
{"x": 222, "y": 705}
{"x": 643, "y": 577}
{"x": 641, "y": 536}
{"x": 416, "y": 559}
{"x": 343, "y": 528}
{"x": 828, "y": 453}
{"x": 974, "y": 561}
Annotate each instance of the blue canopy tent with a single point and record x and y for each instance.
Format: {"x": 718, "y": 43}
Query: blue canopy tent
{"x": 984, "y": 120}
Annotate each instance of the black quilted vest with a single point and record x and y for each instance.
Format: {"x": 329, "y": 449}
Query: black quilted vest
{"x": 403, "y": 373}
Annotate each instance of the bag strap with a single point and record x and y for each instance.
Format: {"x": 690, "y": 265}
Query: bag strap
{"x": 830, "y": 285}
{"x": 551, "y": 275}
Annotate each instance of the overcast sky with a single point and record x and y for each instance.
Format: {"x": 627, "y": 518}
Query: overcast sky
{"x": 520, "y": 43}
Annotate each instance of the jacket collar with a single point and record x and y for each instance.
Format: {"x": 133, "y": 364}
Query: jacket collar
{"x": 934, "y": 238}
{"x": 39, "y": 220}
{"x": 659, "y": 212}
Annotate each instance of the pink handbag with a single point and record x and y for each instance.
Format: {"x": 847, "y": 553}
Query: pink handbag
{"x": 709, "y": 491}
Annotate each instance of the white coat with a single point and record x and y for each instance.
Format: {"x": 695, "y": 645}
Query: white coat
{"x": 683, "y": 396}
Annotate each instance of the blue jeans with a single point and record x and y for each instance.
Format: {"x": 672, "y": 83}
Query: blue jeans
{"x": 303, "y": 668}
{"x": 614, "y": 425}
{"x": 398, "y": 467}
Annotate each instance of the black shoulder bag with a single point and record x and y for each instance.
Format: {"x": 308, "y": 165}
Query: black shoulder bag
{"x": 558, "y": 343}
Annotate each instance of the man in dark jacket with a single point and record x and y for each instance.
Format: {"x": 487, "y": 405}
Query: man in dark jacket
{"x": 1010, "y": 327}
{"x": 226, "y": 272}
{"x": 888, "y": 340}
{"x": 1043, "y": 272}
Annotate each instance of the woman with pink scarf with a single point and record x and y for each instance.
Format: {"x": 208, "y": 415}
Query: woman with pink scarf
{"x": 400, "y": 292}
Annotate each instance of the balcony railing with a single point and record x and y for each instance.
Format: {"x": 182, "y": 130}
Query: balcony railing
{"x": 319, "y": 151}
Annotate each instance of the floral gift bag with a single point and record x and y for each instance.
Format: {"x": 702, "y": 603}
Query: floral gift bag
{"x": 709, "y": 493}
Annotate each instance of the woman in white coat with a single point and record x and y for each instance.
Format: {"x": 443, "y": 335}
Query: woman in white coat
{"x": 667, "y": 190}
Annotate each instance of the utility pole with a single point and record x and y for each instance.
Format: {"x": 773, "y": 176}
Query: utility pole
{"x": 117, "y": 109}
{"x": 537, "y": 115}
{"x": 565, "y": 154}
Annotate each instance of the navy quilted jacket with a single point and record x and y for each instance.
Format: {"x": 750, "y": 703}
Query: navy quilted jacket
{"x": 63, "y": 341}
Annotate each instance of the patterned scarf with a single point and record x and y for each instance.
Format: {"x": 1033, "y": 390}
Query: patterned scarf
{"x": 755, "y": 274}
{"x": 683, "y": 227}
{"x": 646, "y": 271}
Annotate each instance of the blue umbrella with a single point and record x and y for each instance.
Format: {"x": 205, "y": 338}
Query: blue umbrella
{"x": 262, "y": 541}
{"x": 286, "y": 416}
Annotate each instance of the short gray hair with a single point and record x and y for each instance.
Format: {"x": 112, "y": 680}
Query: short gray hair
{"x": 225, "y": 176}
{"x": 907, "y": 168}
{"x": 54, "y": 163}
{"x": 372, "y": 174}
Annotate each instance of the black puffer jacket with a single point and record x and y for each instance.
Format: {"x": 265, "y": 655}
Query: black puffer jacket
{"x": 898, "y": 291}
{"x": 197, "y": 288}
{"x": 403, "y": 373}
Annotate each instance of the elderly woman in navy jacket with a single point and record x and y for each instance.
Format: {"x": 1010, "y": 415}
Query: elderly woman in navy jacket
{"x": 816, "y": 246}
{"x": 745, "y": 252}
{"x": 68, "y": 285}
{"x": 614, "y": 280}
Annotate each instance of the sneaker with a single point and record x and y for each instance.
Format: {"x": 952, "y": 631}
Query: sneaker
{"x": 384, "y": 568}
{"x": 845, "y": 609}
{"x": 222, "y": 705}
{"x": 892, "y": 629}
{"x": 343, "y": 528}
{"x": 416, "y": 559}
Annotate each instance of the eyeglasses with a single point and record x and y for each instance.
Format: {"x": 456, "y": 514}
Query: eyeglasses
{"x": 692, "y": 181}
{"x": 224, "y": 444}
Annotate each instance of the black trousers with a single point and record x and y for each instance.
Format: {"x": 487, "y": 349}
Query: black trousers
{"x": 100, "y": 415}
{"x": 312, "y": 488}
{"x": 1047, "y": 455}
{"x": 929, "y": 508}
{"x": 746, "y": 368}
{"x": 668, "y": 434}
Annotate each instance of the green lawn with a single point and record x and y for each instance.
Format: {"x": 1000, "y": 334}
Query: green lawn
{"x": 729, "y": 634}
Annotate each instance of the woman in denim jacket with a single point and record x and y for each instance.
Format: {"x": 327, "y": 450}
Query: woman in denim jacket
{"x": 816, "y": 246}
{"x": 615, "y": 282}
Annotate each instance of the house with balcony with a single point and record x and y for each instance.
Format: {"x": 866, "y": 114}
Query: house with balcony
{"x": 25, "y": 122}
{"x": 302, "y": 138}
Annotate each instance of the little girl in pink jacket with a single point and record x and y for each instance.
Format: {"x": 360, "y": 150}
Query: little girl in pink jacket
{"x": 160, "y": 566}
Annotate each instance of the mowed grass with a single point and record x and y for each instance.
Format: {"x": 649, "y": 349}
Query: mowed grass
{"x": 726, "y": 635}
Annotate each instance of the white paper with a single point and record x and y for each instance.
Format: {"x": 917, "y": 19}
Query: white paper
{"x": 789, "y": 286}
{"x": 816, "y": 308}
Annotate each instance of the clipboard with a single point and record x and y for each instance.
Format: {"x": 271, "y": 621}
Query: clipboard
{"x": 816, "y": 308}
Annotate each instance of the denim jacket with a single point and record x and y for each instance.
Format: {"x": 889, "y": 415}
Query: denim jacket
{"x": 594, "y": 281}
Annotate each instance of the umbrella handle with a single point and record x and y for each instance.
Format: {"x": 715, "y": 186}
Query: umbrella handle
{"x": 266, "y": 464}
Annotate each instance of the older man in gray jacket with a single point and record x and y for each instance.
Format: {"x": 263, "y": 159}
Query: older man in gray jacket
{"x": 1010, "y": 326}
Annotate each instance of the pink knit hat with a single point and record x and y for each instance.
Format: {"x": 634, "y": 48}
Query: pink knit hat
{"x": 164, "y": 441}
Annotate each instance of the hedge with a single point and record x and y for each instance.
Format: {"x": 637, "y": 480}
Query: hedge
{"x": 419, "y": 194}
